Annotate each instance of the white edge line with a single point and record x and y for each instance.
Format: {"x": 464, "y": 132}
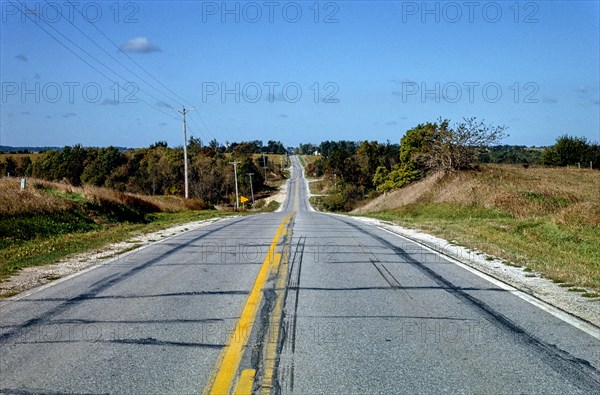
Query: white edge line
{"x": 578, "y": 323}
{"x": 35, "y": 290}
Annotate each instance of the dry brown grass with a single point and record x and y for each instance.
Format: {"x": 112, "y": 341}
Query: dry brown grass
{"x": 33, "y": 157}
{"x": 35, "y": 199}
{"x": 547, "y": 219}
{"x": 566, "y": 194}
{"x": 14, "y": 201}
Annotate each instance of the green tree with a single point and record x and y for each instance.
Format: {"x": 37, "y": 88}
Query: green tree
{"x": 25, "y": 166}
{"x": 457, "y": 148}
{"x": 9, "y": 167}
{"x": 568, "y": 150}
{"x": 105, "y": 162}
{"x": 67, "y": 164}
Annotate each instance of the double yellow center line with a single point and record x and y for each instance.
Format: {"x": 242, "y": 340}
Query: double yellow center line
{"x": 225, "y": 372}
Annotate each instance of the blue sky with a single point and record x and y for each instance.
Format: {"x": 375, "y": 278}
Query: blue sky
{"x": 293, "y": 71}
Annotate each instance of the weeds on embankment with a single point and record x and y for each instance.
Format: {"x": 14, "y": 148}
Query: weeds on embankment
{"x": 545, "y": 219}
{"x": 48, "y": 221}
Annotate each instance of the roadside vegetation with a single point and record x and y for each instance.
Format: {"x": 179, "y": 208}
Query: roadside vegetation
{"x": 538, "y": 208}
{"x": 48, "y": 221}
{"x": 546, "y": 220}
{"x": 158, "y": 169}
{"x": 79, "y": 199}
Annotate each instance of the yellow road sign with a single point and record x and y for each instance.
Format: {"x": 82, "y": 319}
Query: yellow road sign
{"x": 243, "y": 199}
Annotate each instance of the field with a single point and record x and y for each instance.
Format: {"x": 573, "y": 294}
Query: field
{"x": 544, "y": 219}
{"x": 48, "y": 221}
{"x": 33, "y": 157}
{"x": 308, "y": 159}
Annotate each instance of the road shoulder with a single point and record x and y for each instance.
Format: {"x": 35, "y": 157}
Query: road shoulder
{"x": 33, "y": 277}
{"x": 529, "y": 283}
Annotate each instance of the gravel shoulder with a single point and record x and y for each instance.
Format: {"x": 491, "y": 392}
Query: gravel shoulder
{"x": 35, "y": 276}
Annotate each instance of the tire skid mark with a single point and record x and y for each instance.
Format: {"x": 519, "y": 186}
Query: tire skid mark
{"x": 101, "y": 286}
{"x": 579, "y": 371}
{"x": 290, "y": 320}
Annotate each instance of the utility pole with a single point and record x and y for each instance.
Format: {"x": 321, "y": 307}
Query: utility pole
{"x": 237, "y": 199}
{"x": 251, "y": 187}
{"x": 185, "y": 161}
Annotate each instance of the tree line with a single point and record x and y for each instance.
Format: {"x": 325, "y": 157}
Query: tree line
{"x": 362, "y": 170}
{"x": 158, "y": 169}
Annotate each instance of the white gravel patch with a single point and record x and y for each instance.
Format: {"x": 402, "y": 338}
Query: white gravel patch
{"x": 35, "y": 276}
{"x": 282, "y": 193}
{"x": 531, "y": 283}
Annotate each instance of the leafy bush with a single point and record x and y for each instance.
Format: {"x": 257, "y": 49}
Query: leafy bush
{"x": 570, "y": 150}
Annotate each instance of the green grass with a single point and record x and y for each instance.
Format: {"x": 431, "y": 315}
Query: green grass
{"x": 317, "y": 202}
{"x": 272, "y": 206}
{"x": 70, "y": 196}
{"x": 566, "y": 253}
{"x": 47, "y": 247}
{"x": 590, "y": 295}
{"x": 19, "y": 229}
{"x": 305, "y": 160}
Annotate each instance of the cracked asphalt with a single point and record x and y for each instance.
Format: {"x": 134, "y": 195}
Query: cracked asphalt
{"x": 363, "y": 312}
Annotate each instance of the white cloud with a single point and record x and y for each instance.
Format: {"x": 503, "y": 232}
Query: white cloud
{"x": 139, "y": 45}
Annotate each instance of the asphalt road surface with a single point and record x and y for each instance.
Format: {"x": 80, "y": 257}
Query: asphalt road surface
{"x": 291, "y": 302}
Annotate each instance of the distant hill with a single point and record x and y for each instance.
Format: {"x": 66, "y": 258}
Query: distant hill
{"x": 26, "y": 150}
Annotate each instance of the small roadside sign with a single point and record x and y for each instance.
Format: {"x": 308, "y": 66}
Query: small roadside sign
{"x": 243, "y": 199}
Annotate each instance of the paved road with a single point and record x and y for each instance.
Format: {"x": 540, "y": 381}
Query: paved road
{"x": 292, "y": 302}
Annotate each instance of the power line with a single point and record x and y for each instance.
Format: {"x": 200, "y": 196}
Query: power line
{"x": 185, "y": 166}
{"x": 145, "y": 71}
{"x": 125, "y": 53}
{"x": 198, "y": 127}
{"x": 130, "y": 58}
{"x": 93, "y": 57}
{"x": 85, "y": 61}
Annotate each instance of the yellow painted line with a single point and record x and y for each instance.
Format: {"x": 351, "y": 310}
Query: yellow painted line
{"x": 245, "y": 382}
{"x": 296, "y": 195}
{"x": 276, "y": 262}
{"x": 229, "y": 361}
{"x": 270, "y": 349}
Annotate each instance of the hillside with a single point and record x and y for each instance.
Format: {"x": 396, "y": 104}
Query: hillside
{"x": 547, "y": 219}
{"x": 50, "y": 220}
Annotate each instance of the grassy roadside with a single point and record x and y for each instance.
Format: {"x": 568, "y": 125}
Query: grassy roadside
{"x": 49, "y": 221}
{"x": 565, "y": 253}
{"x": 544, "y": 220}
{"x": 49, "y": 249}
{"x": 305, "y": 160}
